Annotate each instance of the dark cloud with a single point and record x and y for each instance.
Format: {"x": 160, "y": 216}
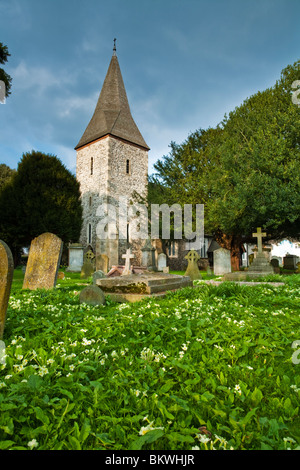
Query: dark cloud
{"x": 184, "y": 63}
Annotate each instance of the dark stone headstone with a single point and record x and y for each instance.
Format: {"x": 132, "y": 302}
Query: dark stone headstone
{"x": 92, "y": 295}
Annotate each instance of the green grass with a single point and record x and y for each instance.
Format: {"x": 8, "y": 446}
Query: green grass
{"x": 148, "y": 375}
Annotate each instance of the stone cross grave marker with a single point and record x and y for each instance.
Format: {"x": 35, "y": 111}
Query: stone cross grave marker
{"x": 88, "y": 267}
{"x": 43, "y": 262}
{"x": 259, "y": 235}
{"x": 192, "y": 269}
{"x": 6, "y": 276}
{"x": 128, "y": 256}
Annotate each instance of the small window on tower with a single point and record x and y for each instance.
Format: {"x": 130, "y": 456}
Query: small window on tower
{"x": 90, "y": 233}
{"x": 92, "y": 165}
{"x": 127, "y": 167}
{"x": 90, "y": 201}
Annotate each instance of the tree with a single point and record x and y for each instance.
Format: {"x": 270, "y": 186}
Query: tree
{"x": 4, "y": 54}
{"x": 5, "y": 174}
{"x": 246, "y": 171}
{"x": 42, "y": 196}
{"x": 259, "y": 180}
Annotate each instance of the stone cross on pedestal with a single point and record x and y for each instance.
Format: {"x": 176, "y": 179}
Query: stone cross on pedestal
{"x": 127, "y": 257}
{"x": 259, "y": 235}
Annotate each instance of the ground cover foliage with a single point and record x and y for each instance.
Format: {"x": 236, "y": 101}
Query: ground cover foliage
{"x": 204, "y": 368}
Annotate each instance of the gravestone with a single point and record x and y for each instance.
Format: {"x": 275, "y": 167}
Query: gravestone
{"x": 127, "y": 269}
{"x": 148, "y": 256}
{"x": 75, "y": 257}
{"x": 98, "y": 275}
{"x": 88, "y": 267}
{"x": 222, "y": 262}
{"x": 43, "y": 262}
{"x": 92, "y": 295}
{"x": 102, "y": 262}
{"x": 279, "y": 258}
{"x": 193, "y": 269}
{"x": 275, "y": 263}
{"x": 290, "y": 262}
{"x": 161, "y": 261}
{"x": 6, "y": 276}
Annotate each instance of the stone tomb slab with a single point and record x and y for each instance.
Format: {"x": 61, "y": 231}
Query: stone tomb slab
{"x": 135, "y": 287}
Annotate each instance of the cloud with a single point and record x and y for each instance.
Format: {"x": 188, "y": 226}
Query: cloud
{"x": 78, "y": 104}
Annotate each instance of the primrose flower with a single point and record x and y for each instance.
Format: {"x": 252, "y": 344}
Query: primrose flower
{"x": 149, "y": 427}
{"x": 32, "y": 444}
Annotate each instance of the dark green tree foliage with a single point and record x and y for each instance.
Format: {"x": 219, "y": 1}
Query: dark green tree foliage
{"x": 182, "y": 176}
{"x": 246, "y": 171}
{"x": 4, "y": 54}
{"x": 43, "y": 196}
{"x": 5, "y": 174}
{"x": 258, "y": 183}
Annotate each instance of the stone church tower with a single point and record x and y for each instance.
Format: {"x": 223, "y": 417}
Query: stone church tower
{"x": 112, "y": 162}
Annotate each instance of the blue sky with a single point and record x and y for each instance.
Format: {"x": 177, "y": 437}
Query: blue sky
{"x": 185, "y": 63}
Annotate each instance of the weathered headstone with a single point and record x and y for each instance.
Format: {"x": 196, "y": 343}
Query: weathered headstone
{"x": 127, "y": 269}
{"x": 6, "y": 276}
{"x": 148, "y": 256}
{"x": 75, "y": 257}
{"x": 102, "y": 262}
{"x": 275, "y": 263}
{"x": 43, "y": 262}
{"x": 88, "y": 267}
{"x": 193, "y": 269}
{"x": 290, "y": 262}
{"x": 161, "y": 261}
{"x": 92, "y": 295}
{"x": 222, "y": 262}
{"x": 98, "y": 275}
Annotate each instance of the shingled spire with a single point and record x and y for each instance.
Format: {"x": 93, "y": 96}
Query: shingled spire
{"x": 112, "y": 115}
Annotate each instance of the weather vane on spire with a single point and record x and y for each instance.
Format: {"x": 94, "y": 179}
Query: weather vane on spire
{"x": 115, "y": 49}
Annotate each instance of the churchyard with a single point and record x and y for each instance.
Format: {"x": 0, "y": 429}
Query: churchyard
{"x": 204, "y": 367}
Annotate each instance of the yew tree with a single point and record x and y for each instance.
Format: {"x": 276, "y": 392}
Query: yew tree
{"x": 246, "y": 171}
{"x": 42, "y": 196}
